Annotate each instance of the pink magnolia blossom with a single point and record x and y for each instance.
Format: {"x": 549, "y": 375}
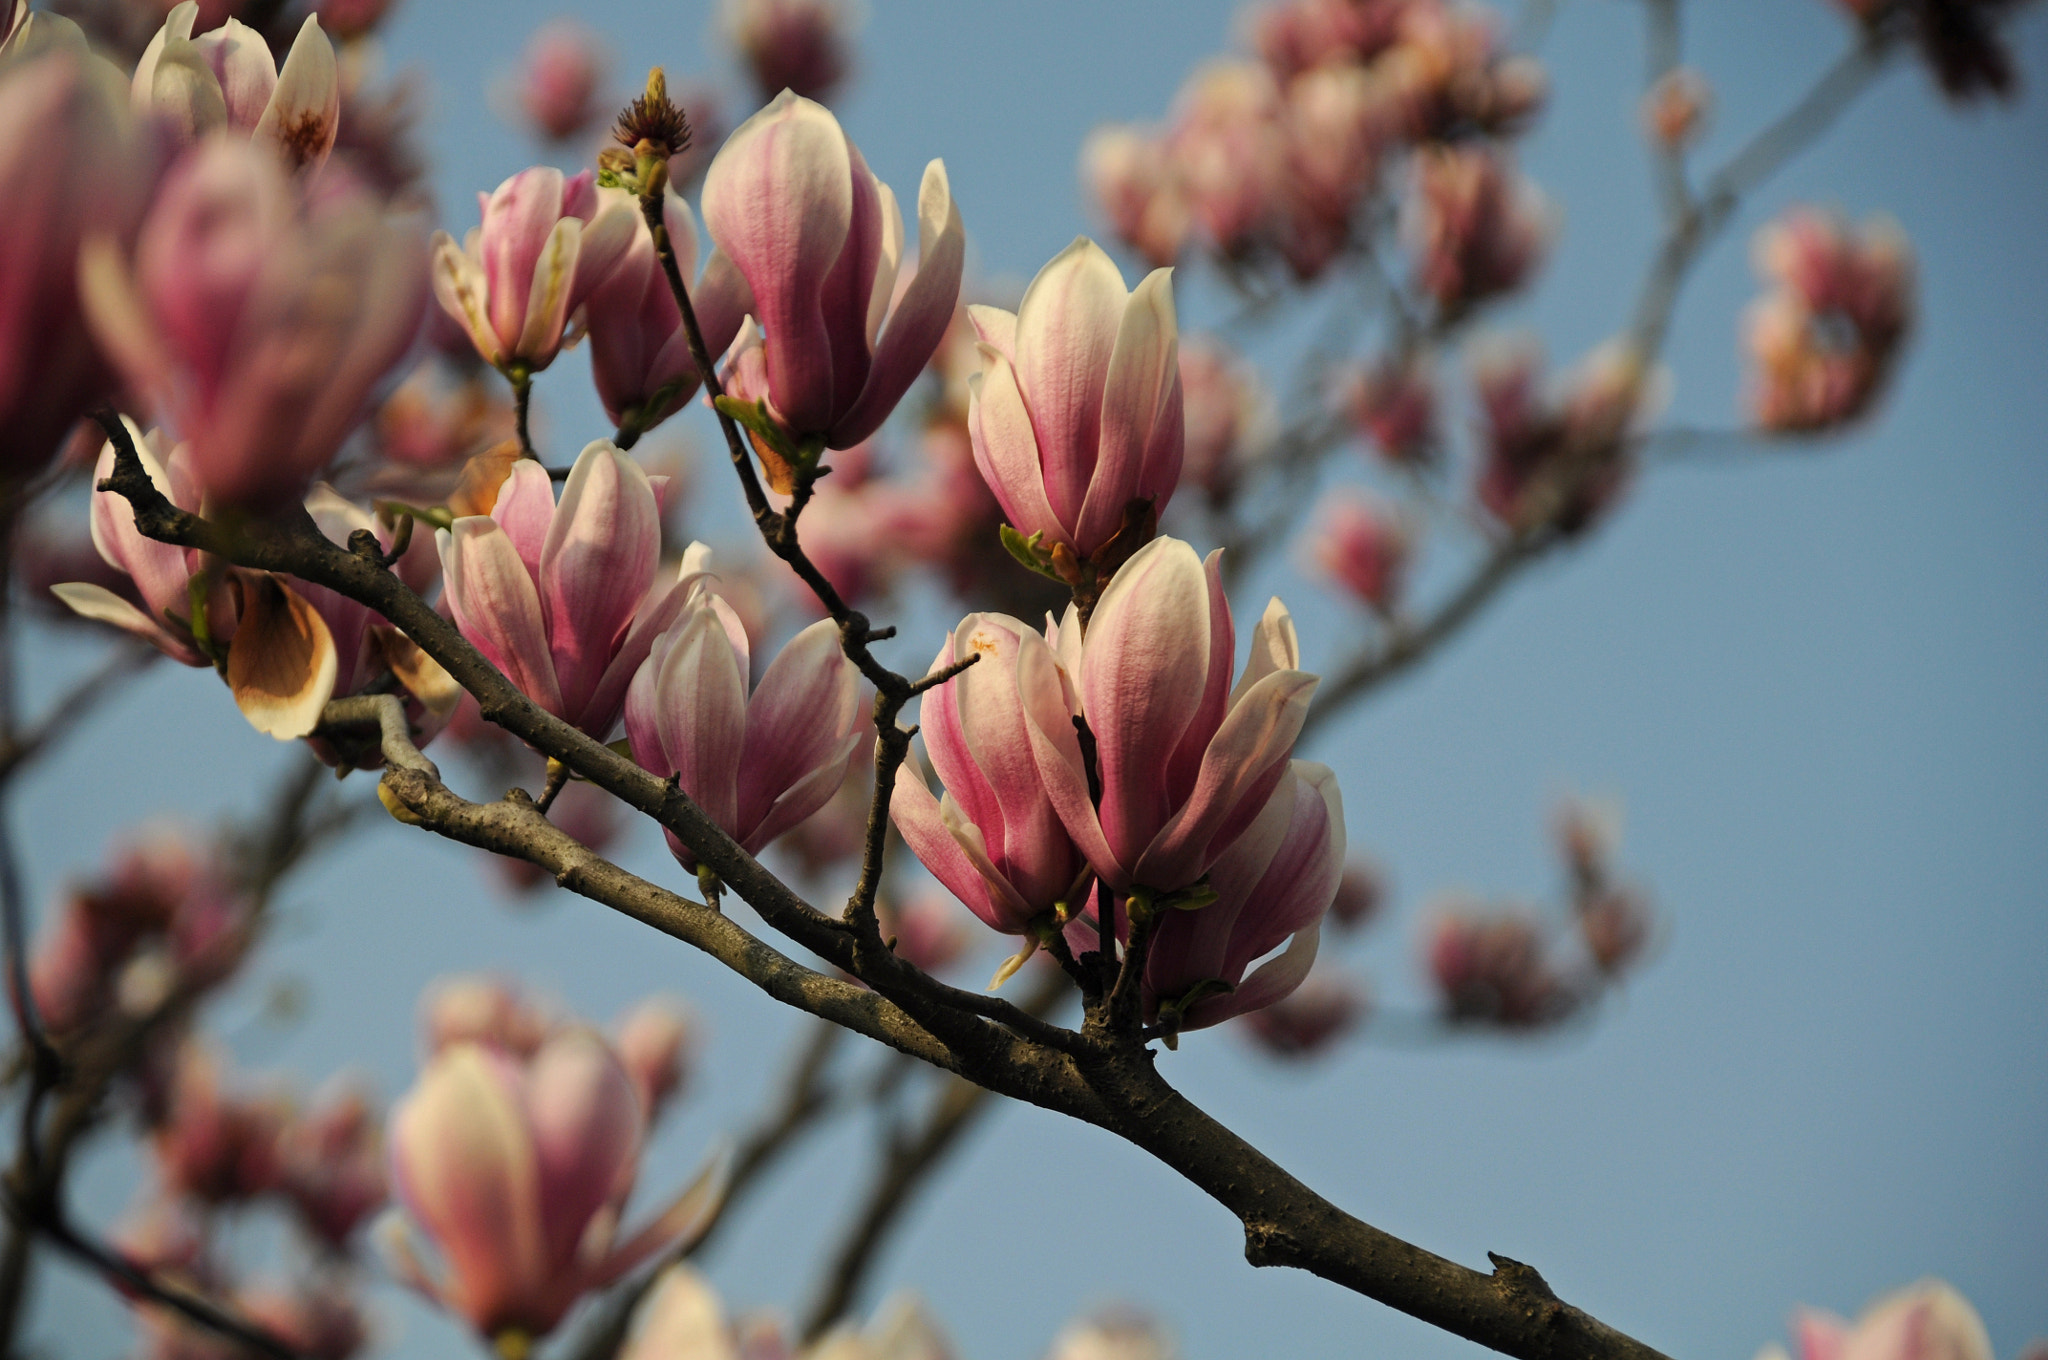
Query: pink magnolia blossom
{"x": 1272, "y": 887}
{"x": 258, "y": 331}
{"x": 481, "y": 1009}
{"x": 1137, "y": 192}
{"x": 1228, "y": 417}
{"x": 1294, "y": 36}
{"x": 639, "y": 351}
{"x": 654, "y": 1040}
{"x": 1361, "y": 894}
{"x": 994, "y": 839}
{"x": 560, "y": 84}
{"x": 1187, "y": 762}
{"x": 1924, "y": 1321}
{"x": 63, "y": 108}
{"x": 517, "y": 282}
{"x": 1228, "y": 149}
{"x": 795, "y": 45}
{"x": 349, "y": 20}
{"x": 214, "y": 1144}
{"x": 1363, "y": 544}
{"x": 1561, "y": 453}
{"x": 819, "y": 241}
{"x": 518, "y": 1173}
{"x": 1308, "y": 1020}
{"x": 1393, "y": 404}
{"x": 1674, "y": 112}
{"x": 1824, "y": 340}
{"x": 332, "y": 1164}
{"x": 317, "y": 1320}
{"x": 1492, "y": 966}
{"x": 758, "y": 763}
{"x": 1476, "y": 228}
{"x": 562, "y": 597}
{"x": 160, "y": 573}
{"x": 1077, "y": 411}
{"x": 227, "y": 78}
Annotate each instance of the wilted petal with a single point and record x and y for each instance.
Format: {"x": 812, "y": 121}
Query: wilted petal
{"x": 303, "y": 114}
{"x": 282, "y": 664}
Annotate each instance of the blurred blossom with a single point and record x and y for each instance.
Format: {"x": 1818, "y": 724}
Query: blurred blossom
{"x": 757, "y": 758}
{"x": 835, "y": 343}
{"x": 166, "y": 1234}
{"x": 1272, "y": 887}
{"x": 441, "y": 415}
{"x": 1309, "y": 1020}
{"x": 928, "y": 931}
{"x": 1450, "y": 76}
{"x": 318, "y": 1321}
{"x": 331, "y": 1162}
{"x": 1363, "y": 543}
{"x": 1229, "y": 150}
{"x": 259, "y": 331}
{"x": 226, "y": 79}
{"x": 1959, "y": 40}
{"x": 1228, "y": 417}
{"x": 1924, "y": 1321}
{"x": 1615, "y": 923}
{"x": 654, "y": 1041}
{"x": 803, "y": 46}
{"x": 1336, "y": 123}
{"x": 479, "y": 1009}
{"x": 1558, "y": 456}
{"x": 518, "y": 1172}
{"x": 212, "y": 1143}
{"x": 1492, "y": 967}
{"x": 680, "y": 1318}
{"x": 1361, "y": 894}
{"x": 1476, "y": 227}
{"x": 1824, "y": 339}
{"x": 1295, "y": 36}
{"x": 1393, "y": 404}
{"x": 565, "y": 598}
{"x": 64, "y": 108}
{"x": 517, "y": 282}
{"x": 560, "y": 85}
{"x": 1077, "y": 417}
{"x": 1127, "y": 170}
{"x": 349, "y": 20}
{"x": 1675, "y": 110}
{"x": 704, "y": 113}
{"x": 1114, "y": 1334}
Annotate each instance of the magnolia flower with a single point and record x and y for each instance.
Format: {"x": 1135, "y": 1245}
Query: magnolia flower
{"x": 212, "y": 1144}
{"x": 259, "y": 332}
{"x": 1825, "y": 339}
{"x": 757, "y": 763}
{"x": 994, "y": 839}
{"x": 654, "y": 1041}
{"x": 516, "y": 283}
{"x": 795, "y": 45}
{"x": 479, "y": 1009}
{"x": 1228, "y": 418}
{"x": 518, "y": 1172}
{"x": 819, "y": 241}
{"x": 63, "y": 108}
{"x": 332, "y": 1165}
{"x": 228, "y": 79}
{"x": 1492, "y": 967}
{"x": 1393, "y": 404}
{"x": 1363, "y": 544}
{"x": 1924, "y": 1321}
{"x": 1476, "y": 227}
{"x": 1272, "y": 887}
{"x": 1077, "y": 413}
{"x": 1309, "y": 1019}
{"x": 561, "y": 77}
{"x": 639, "y": 351}
{"x": 562, "y": 597}
{"x": 1126, "y": 169}
{"x": 1675, "y": 109}
{"x": 1187, "y": 762}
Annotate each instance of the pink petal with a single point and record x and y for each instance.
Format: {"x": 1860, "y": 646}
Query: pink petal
{"x": 797, "y": 721}
{"x": 850, "y": 286}
{"x": 599, "y": 558}
{"x": 691, "y": 699}
{"x": 586, "y": 1122}
{"x": 303, "y": 112}
{"x": 1146, "y": 360}
{"x": 518, "y": 223}
{"x": 525, "y": 510}
{"x": 928, "y": 832}
{"x": 1006, "y": 450}
{"x": 496, "y": 606}
{"x": 1066, "y": 332}
{"x": 242, "y": 64}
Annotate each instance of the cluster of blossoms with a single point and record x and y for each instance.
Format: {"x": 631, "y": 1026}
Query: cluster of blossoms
{"x": 1924, "y": 1321}
{"x": 1825, "y": 338}
{"x": 1279, "y": 156}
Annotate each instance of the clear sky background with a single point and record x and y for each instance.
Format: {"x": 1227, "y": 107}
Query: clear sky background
{"x": 1815, "y": 678}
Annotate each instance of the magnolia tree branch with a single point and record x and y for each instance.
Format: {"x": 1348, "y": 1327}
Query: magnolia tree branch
{"x": 997, "y": 1045}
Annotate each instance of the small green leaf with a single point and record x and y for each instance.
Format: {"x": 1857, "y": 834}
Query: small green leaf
{"x": 1028, "y": 551}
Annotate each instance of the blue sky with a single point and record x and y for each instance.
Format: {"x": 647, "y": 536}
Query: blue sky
{"x": 1815, "y": 678}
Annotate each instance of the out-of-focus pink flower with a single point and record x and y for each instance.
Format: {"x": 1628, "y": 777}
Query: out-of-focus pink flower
{"x": 1113, "y": 1335}
{"x": 1077, "y": 412}
{"x": 317, "y": 1321}
{"x": 639, "y": 351}
{"x": 259, "y": 333}
{"x": 437, "y": 417}
{"x": 1448, "y": 75}
{"x": 1186, "y": 760}
{"x": 1361, "y": 892}
{"x": 1476, "y": 227}
{"x": 64, "y": 108}
{"x": 562, "y": 597}
{"x": 1615, "y": 924}
{"x": 1959, "y": 40}
{"x": 1393, "y": 404}
{"x": 166, "y": 1233}
{"x": 332, "y": 1162}
{"x": 1337, "y": 127}
{"x": 654, "y": 1040}
{"x": 1826, "y": 337}
{"x": 927, "y": 932}
{"x": 757, "y": 764}
{"x": 212, "y": 1144}
{"x": 517, "y": 282}
{"x": 681, "y": 1317}
{"x": 479, "y": 1009}
{"x": 1227, "y": 416}
{"x": 1272, "y": 887}
{"x": 1128, "y": 172}
{"x": 1675, "y": 110}
{"x": 560, "y": 86}
{"x": 160, "y": 572}
{"x": 349, "y": 20}
{"x": 1308, "y": 1020}
{"x": 1491, "y": 967}
{"x": 227, "y": 79}
{"x": 1561, "y": 456}
{"x": 819, "y": 241}
{"x": 1228, "y": 151}
{"x": 1924, "y": 1321}
{"x": 1300, "y": 35}
{"x": 994, "y": 839}
{"x": 518, "y": 1172}
{"x": 798, "y": 45}
{"x": 1363, "y": 544}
